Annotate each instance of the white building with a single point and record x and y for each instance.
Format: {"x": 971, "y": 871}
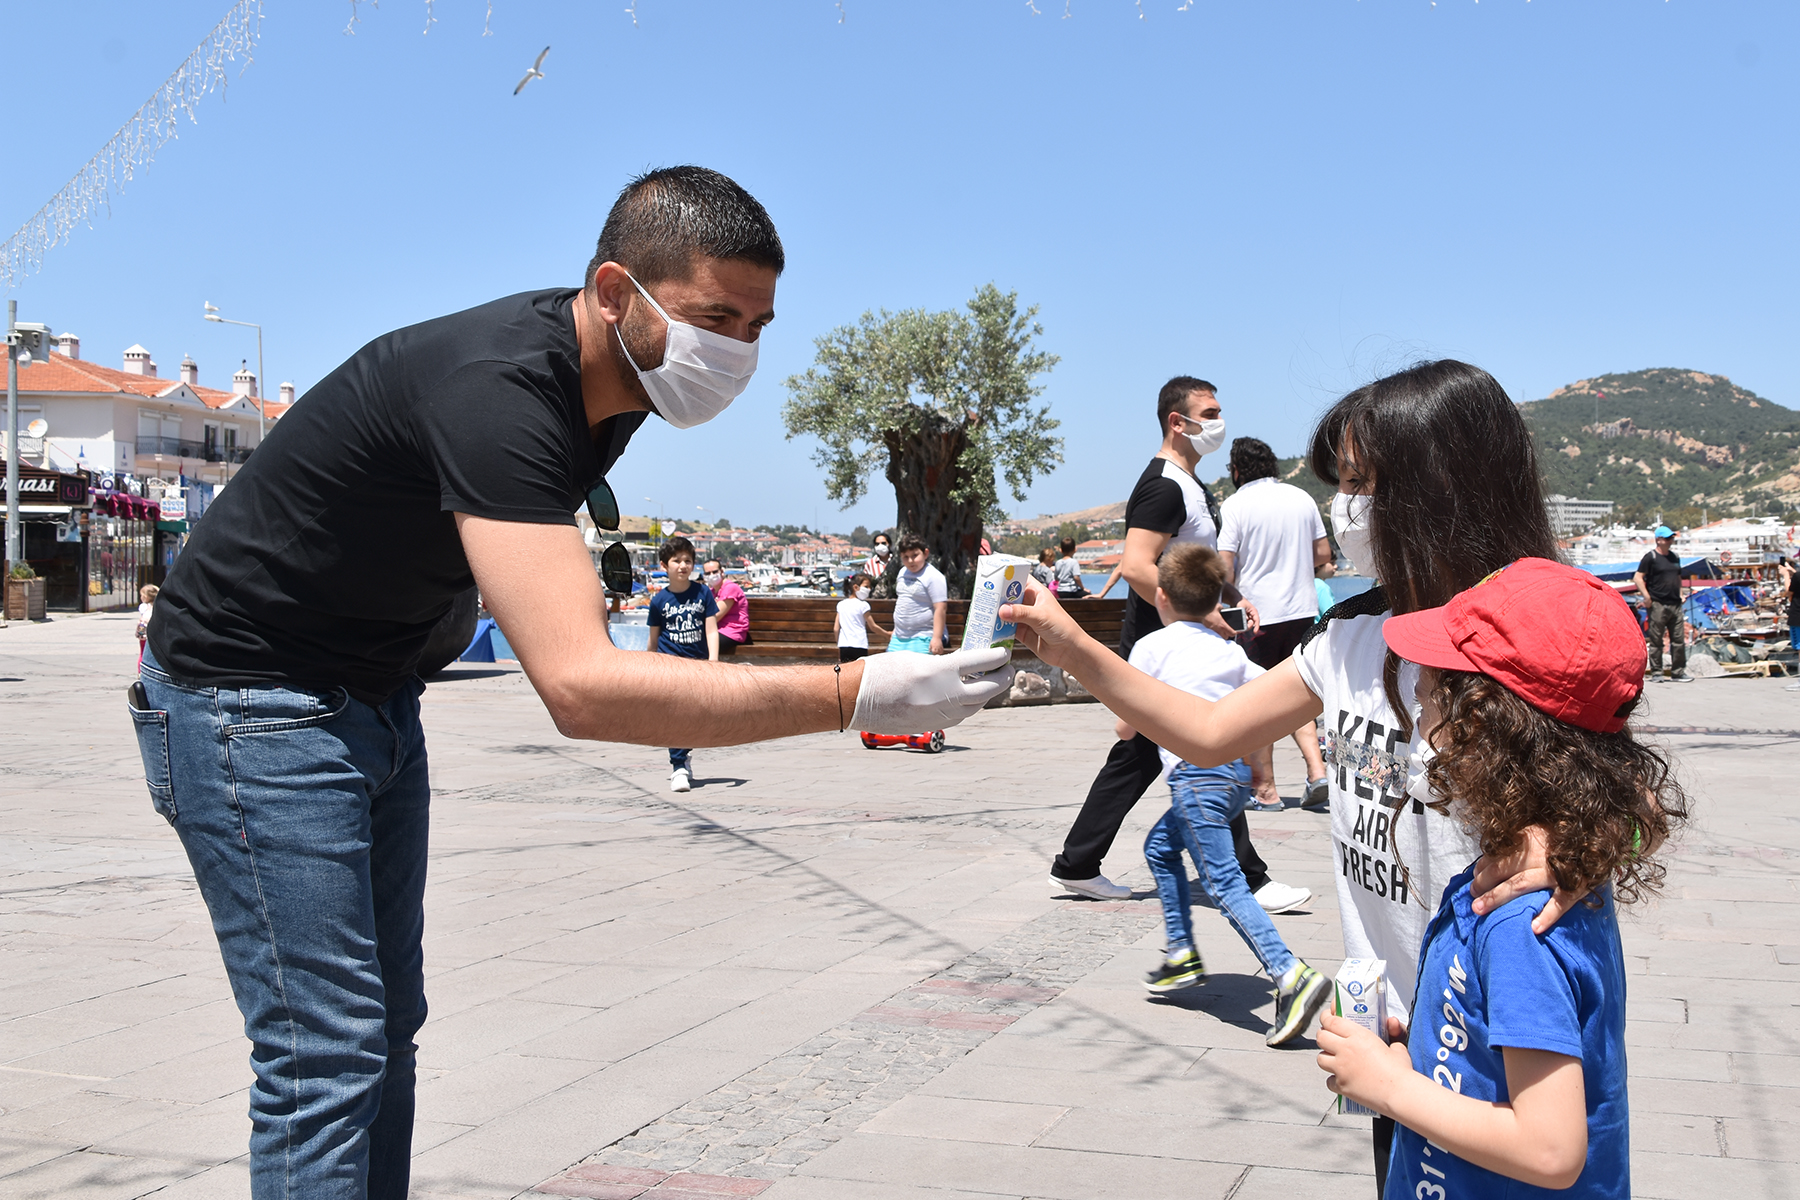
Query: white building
{"x": 1570, "y": 516}
{"x": 130, "y": 422}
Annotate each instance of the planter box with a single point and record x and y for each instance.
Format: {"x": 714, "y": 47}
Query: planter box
{"x": 25, "y": 599}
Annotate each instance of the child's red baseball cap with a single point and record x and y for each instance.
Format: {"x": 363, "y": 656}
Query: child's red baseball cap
{"x": 1556, "y": 637}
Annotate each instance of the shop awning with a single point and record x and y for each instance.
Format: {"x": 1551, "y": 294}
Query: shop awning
{"x": 172, "y": 526}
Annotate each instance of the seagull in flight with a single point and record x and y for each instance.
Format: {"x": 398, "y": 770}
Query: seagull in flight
{"x": 536, "y": 72}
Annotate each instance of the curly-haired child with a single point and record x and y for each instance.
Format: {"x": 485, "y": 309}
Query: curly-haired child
{"x": 1526, "y": 684}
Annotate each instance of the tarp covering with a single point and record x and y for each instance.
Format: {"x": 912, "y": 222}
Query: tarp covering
{"x": 481, "y": 646}
{"x": 1691, "y": 568}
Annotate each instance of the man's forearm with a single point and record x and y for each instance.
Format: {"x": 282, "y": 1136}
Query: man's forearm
{"x": 659, "y": 699}
{"x": 1140, "y": 577}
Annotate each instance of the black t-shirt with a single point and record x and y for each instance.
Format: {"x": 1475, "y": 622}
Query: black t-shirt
{"x": 1166, "y": 500}
{"x": 327, "y": 560}
{"x": 1662, "y": 577}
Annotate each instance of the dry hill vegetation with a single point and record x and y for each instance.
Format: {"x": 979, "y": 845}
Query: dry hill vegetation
{"x": 1668, "y": 439}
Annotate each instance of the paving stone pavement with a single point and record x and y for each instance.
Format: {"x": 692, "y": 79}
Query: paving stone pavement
{"x": 825, "y": 972}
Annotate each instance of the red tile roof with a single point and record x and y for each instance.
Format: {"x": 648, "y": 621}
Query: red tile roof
{"x": 59, "y": 373}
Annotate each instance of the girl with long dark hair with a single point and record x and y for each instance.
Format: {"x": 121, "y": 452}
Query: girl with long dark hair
{"x": 1437, "y": 487}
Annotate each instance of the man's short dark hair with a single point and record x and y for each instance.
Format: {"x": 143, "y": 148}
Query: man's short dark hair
{"x": 1192, "y": 577}
{"x": 911, "y": 542}
{"x": 1174, "y": 396}
{"x": 672, "y": 547}
{"x": 664, "y": 218}
{"x": 1251, "y": 458}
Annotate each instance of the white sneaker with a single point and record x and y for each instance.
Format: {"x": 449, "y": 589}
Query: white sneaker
{"x": 1097, "y": 888}
{"x": 1280, "y": 897}
{"x": 681, "y": 781}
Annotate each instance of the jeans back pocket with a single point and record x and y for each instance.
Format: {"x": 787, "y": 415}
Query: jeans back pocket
{"x": 153, "y": 747}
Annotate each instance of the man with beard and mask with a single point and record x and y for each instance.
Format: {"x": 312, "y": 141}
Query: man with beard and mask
{"x": 278, "y": 710}
{"x": 1169, "y": 506}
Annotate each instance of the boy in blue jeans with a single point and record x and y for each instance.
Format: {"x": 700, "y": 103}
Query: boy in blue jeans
{"x": 683, "y": 621}
{"x": 1187, "y": 654}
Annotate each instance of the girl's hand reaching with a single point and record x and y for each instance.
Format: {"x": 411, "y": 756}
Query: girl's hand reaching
{"x": 1044, "y": 627}
{"x": 1525, "y": 870}
{"x": 1359, "y": 1065}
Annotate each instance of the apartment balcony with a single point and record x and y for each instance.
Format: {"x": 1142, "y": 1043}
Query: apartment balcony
{"x": 199, "y": 451}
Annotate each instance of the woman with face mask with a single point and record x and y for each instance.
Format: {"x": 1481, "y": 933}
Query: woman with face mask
{"x": 734, "y": 607}
{"x": 878, "y": 558}
{"x": 1437, "y": 487}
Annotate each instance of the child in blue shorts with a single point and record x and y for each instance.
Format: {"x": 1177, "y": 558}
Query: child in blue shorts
{"x": 1527, "y": 681}
{"x": 1203, "y": 801}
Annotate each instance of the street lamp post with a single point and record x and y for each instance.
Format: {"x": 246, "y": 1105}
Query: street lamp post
{"x": 12, "y": 435}
{"x": 212, "y": 314}
{"x": 659, "y": 517}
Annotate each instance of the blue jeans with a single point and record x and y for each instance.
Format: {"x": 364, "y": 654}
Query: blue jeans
{"x": 680, "y": 760}
{"x": 304, "y": 815}
{"x": 1203, "y": 801}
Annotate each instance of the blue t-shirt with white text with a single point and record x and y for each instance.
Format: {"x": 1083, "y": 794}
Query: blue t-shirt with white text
{"x": 683, "y": 620}
{"x": 1489, "y": 982}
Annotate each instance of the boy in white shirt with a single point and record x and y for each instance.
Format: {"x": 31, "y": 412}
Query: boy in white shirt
{"x": 1203, "y": 801}
{"x": 920, "y": 601}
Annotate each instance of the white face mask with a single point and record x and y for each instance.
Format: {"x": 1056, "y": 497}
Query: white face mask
{"x": 882, "y": 549}
{"x": 1417, "y": 785}
{"x": 862, "y": 593}
{"x": 1350, "y": 522}
{"x": 702, "y": 372}
{"x": 1210, "y": 437}
{"x": 713, "y": 578}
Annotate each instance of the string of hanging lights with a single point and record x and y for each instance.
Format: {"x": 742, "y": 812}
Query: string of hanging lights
{"x": 134, "y": 146}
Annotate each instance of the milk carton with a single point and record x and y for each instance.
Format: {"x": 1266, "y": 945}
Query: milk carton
{"x": 1359, "y": 993}
{"x": 999, "y": 579}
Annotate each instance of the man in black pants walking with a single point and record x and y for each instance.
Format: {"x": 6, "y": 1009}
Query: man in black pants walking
{"x": 1168, "y": 505}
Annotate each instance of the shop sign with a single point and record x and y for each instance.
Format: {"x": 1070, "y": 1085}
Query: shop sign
{"x": 48, "y": 487}
{"x": 174, "y": 505}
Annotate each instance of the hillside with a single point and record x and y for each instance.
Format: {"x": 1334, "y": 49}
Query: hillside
{"x": 1666, "y": 438}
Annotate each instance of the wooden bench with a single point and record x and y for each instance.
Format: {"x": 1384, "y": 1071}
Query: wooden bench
{"x": 799, "y": 628}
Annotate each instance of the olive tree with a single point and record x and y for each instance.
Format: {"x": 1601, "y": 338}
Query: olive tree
{"x": 944, "y": 403}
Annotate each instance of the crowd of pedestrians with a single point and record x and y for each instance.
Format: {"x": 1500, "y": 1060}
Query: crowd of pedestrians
{"x": 1475, "y": 698}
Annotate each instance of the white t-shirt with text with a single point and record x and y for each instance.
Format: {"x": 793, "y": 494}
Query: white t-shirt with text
{"x": 1271, "y": 527}
{"x": 914, "y": 596}
{"x": 1189, "y": 656}
{"x": 1375, "y": 826}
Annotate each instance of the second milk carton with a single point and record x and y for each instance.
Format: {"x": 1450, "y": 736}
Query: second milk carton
{"x": 999, "y": 579}
{"x": 1359, "y": 993}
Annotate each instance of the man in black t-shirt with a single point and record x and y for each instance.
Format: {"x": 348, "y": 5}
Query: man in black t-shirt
{"x": 1658, "y": 580}
{"x": 278, "y": 711}
{"x": 1169, "y": 505}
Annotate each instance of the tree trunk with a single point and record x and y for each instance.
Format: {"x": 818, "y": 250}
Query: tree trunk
{"x": 924, "y": 471}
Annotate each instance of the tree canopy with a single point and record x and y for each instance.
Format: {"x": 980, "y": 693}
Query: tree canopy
{"x": 945, "y": 403}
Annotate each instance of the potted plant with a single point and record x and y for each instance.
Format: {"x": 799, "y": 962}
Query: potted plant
{"x": 24, "y": 594}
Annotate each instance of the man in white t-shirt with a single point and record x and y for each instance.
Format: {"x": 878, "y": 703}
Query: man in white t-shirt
{"x": 921, "y": 601}
{"x": 1273, "y": 540}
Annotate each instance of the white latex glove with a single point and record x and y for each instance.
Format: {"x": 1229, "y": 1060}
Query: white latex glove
{"x": 916, "y": 693}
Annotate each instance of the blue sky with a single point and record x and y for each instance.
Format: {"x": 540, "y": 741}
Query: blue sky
{"x": 1286, "y": 199}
